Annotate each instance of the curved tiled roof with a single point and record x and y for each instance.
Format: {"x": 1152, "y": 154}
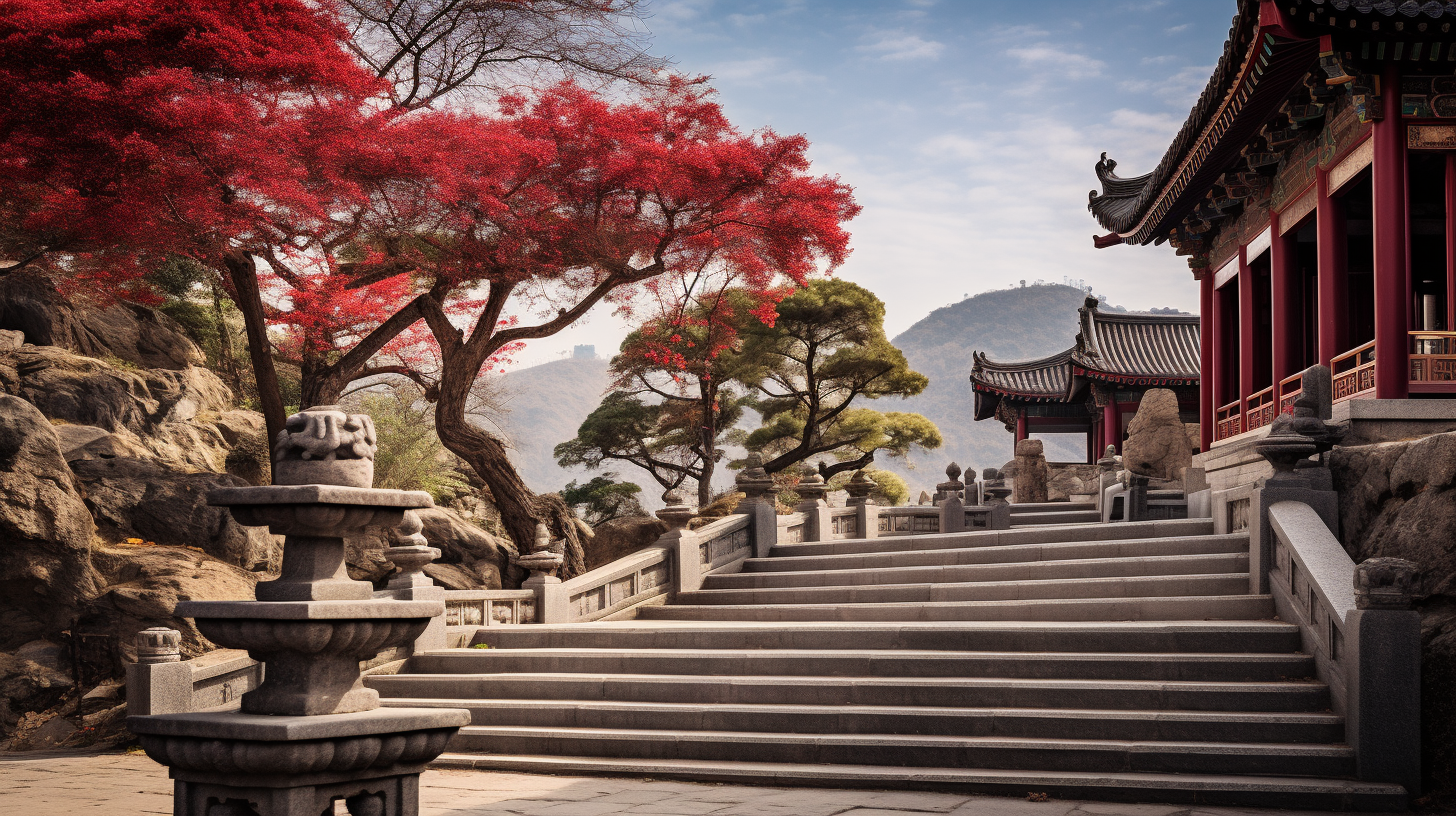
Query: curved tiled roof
{"x": 1139, "y": 346}
{"x": 1046, "y": 378}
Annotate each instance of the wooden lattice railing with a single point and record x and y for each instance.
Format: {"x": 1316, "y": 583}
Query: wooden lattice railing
{"x": 1228, "y": 421}
{"x": 1262, "y": 409}
{"x": 1432, "y": 356}
{"x": 1353, "y": 373}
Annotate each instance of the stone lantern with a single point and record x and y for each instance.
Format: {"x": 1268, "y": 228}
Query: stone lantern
{"x": 310, "y": 733}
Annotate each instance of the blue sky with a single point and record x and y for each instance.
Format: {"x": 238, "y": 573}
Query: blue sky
{"x": 968, "y": 128}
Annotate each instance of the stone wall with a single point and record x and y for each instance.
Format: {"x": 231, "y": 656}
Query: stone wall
{"x": 1069, "y": 479}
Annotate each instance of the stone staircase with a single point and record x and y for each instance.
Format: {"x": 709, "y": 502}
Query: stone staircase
{"x": 1029, "y": 515}
{"x": 1113, "y": 661}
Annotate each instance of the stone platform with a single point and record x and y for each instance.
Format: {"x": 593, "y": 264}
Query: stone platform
{"x": 81, "y": 784}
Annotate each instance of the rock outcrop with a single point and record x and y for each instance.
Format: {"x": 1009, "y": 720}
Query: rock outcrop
{"x": 30, "y": 304}
{"x": 45, "y": 529}
{"x": 1157, "y": 443}
{"x": 618, "y": 537}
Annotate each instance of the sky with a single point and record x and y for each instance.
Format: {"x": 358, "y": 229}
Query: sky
{"x": 967, "y": 128}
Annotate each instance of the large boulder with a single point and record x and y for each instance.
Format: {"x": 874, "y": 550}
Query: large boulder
{"x": 134, "y": 498}
{"x": 30, "y": 304}
{"x": 1157, "y": 442}
{"x": 1029, "y": 485}
{"x": 45, "y": 528}
{"x": 613, "y": 539}
{"x": 144, "y": 583}
{"x": 1069, "y": 480}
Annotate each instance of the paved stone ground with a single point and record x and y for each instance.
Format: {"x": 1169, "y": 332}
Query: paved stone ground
{"x": 78, "y": 784}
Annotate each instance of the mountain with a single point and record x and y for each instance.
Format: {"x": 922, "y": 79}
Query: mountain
{"x": 545, "y": 404}
{"x": 1007, "y": 324}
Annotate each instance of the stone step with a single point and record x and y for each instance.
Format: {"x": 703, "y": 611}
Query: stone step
{"x": 1025, "y": 723}
{"x": 1005, "y": 554}
{"x": 1142, "y": 586}
{"x": 913, "y": 750}
{"x": 1046, "y": 507}
{"x": 1181, "y": 695}
{"x": 1188, "y": 666}
{"x": 1196, "y": 564}
{"x": 991, "y": 538}
{"x": 1056, "y": 636}
{"x": 1055, "y": 517}
{"x": 1209, "y": 789}
{"x": 1217, "y": 607}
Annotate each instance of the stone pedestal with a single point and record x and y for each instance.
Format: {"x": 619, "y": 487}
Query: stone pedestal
{"x": 244, "y": 765}
{"x": 311, "y": 733}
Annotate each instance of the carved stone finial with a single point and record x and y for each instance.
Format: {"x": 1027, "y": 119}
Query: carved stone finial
{"x": 812, "y": 488}
{"x": 676, "y": 514}
{"x": 1108, "y": 462}
{"x": 410, "y": 553}
{"x": 1385, "y": 583}
{"x": 990, "y": 474}
{"x": 324, "y": 445}
{"x": 159, "y": 645}
{"x": 753, "y": 480}
{"x": 545, "y": 557}
{"x": 953, "y": 472}
{"x": 859, "y": 488}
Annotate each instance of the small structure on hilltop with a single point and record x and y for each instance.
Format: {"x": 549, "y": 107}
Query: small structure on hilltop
{"x": 1094, "y": 387}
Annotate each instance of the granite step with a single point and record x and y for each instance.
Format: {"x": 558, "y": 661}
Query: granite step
{"x": 962, "y": 721}
{"x": 991, "y": 538}
{"x": 1056, "y": 636}
{"x": 1216, "y": 607}
{"x": 1053, "y": 506}
{"x": 1187, "y": 666}
{"x": 1004, "y": 554}
{"x": 915, "y": 750}
{"x": 1135, "y": 586}
{"x": 1078, "y": 568}
{"x": 1181, "y": 695}
{"x": 1055, "y": 517}
{"x": 1268, "y": 791}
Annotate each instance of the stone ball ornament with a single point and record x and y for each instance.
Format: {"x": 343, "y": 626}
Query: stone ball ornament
{"x": 325, "y": 445}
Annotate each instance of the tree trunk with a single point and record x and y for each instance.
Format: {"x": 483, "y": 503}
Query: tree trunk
{"x": 708, "y": 439}
{"x": 243, "y": 272}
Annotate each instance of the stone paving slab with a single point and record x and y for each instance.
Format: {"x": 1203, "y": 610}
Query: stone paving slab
{"x": 82, "y": 784}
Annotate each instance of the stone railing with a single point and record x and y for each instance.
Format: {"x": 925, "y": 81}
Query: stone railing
{"x": 471, "y": 608}
{"x": 626, "y": 582}
{"x": 1357, "y": 622}
{"x": 724, "y": 541}
{"x": 901, "y": 521}
{"x": 791, "y": 528}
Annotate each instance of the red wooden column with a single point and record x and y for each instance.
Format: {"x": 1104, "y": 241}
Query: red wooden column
{"x": 1206, "y": 344}
{"x": 1284, "y": 304}
{"x": 1450, "y": 241}
{"x": 1021, "y": 425}
{"x": 1247, "y": 326}
{"x": 1332, "y": 285}
{"x": 1112, "y": 422}
{"x": 1392, "y": 303}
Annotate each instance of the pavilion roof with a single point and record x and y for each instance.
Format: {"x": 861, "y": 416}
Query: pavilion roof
{"x": 1272, "y": 48}
{"x": 1044, "y": 379}
{"x": 1137, "y": 347}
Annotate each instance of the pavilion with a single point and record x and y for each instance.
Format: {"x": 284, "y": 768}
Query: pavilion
{"x": 1095, "y": 386}
{"x": 1313, "y": 190}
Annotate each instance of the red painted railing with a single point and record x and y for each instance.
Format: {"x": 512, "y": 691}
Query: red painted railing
{"x": 1353, "y": 373}
{"x": 1261, "y": 409}
{"x": 1432, "y": 356}
{"x": 1228, "y": 421}
{"x": 1289, "y": 390}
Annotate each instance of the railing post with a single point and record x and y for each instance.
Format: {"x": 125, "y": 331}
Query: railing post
{"x": 759, "y": 502}
{"x": 952, "y": 508}
{"x": 409, "y": 552}
{"x": 543, "y": 562}
{"x": 1292, "y": 439}
{"x": 812, "y": 492}
{"x": 159, "y": 682}
{"x": 867, "y": 515}
{"x": 1383, "y": 675}
{"x": 687, "y": 568}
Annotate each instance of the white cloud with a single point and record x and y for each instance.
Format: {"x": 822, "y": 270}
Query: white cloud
{"x": 1177, "y": 29}
{"x": 1050, "y": 56}
{"x": 900, "y": 45}
{"x": 762, "y": 70}
{"x": 1179, "y": 89}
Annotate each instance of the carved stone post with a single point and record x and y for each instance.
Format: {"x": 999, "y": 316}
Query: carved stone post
{"x": 159, "y": 683}
{"x": 760, "y": 503}
{"x": 409, "y": 552}
{"x": 543, "y": 561}
{"x": 1383, "y": 674}
{"x": 867, "y": 515}
{"x": 952, "y": 509}
{"x": 1292, "y": 439}
{"x": 997, "y": 491}
{"x": 687, "y": 560}
{"x": 812, "y": 493}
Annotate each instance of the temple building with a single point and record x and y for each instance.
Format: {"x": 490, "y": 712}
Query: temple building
{"x": 1094, "y": 387}
{"x": 1313, "y": 191}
